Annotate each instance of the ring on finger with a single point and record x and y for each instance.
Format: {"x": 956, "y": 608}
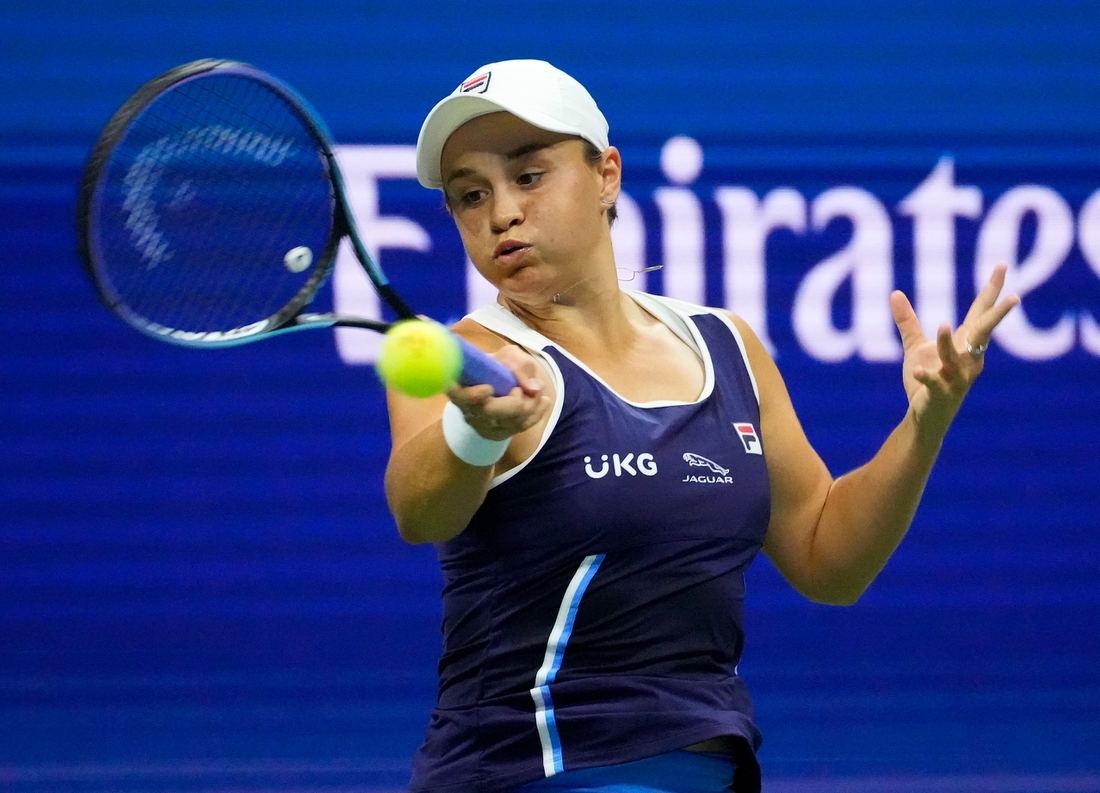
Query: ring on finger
{"x": 978, "y": 351}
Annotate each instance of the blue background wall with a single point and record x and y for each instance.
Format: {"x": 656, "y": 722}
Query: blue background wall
{"x": 200, "y": 586}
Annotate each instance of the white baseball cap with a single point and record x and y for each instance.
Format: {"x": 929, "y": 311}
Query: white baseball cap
{"x": 531, "y": 90}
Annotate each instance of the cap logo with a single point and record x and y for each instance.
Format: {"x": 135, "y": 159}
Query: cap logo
{"x": 476, "y": 85}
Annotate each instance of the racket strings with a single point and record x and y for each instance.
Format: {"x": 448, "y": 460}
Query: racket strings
{"x": 211, "y": 186}
{"x": 271, "y": 149}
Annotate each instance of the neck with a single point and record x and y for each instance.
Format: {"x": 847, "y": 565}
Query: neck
{"x": 583, "y": 307}
{"x": 594, "y": 314}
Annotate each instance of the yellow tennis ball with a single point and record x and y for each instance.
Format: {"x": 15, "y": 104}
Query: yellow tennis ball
{"x": 419, "y": 358}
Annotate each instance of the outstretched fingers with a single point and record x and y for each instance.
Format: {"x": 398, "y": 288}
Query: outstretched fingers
{"x": 989, "y": 320}
{"x": 950, "y": 361}
{"x": 906, "y": 320}
{"x": 938, "y": 373}
{"x": 987, "y": 297}
{"x": 985, "y": 312}
{"x": 950, "y": 366}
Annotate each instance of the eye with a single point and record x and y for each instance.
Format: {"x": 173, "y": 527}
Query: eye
{"x": 528, "y": 178}
{"x": 471, "y": 197}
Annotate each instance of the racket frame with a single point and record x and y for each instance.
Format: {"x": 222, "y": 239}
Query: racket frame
{"x": 290, "y": 317}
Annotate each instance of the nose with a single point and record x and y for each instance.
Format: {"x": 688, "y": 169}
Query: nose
{"x": 507, "y": 210}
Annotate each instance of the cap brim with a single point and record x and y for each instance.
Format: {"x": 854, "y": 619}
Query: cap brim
{"x": 450, "y": 114}
{"x": 447, "y": 116}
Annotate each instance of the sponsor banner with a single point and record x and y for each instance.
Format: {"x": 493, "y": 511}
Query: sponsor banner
{"x": 804, "y": 243}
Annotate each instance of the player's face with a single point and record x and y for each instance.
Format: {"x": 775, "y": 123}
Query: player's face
{"x": 528, "y": 205}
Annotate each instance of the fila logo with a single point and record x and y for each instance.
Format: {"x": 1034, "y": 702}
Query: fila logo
{"x": 476, "y": 85}
{"x": 749, "y": 439}
{"x": 647, "y": 466}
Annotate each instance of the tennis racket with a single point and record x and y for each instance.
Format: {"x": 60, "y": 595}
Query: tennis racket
{"x": 211, "y": 210}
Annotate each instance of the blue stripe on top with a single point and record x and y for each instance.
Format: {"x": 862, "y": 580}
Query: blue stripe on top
{"x": 555, "y": 651}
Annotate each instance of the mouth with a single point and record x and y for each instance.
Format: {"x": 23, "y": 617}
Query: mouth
{"x": 509, "y": 249}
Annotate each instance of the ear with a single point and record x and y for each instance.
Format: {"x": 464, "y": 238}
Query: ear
{"x": 610, "y": 170}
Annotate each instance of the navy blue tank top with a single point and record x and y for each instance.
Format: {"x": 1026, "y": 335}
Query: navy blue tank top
{"x": 592, "y": 609}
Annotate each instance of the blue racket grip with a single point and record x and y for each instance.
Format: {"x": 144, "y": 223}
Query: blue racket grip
{"x": 478, "y": 368}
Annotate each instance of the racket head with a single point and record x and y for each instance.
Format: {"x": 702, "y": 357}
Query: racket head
{"x": 197, "y": 195}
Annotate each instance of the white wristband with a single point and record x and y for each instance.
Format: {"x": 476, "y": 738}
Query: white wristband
{"x": 466, "y": 443}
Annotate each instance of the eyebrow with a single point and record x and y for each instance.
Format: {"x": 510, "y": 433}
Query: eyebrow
{"x": 527, "y": 148}
{"x": 515, "y": 154}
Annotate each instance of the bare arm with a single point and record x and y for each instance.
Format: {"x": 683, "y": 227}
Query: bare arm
{"x": 433, "y": 494}
{"x": 831, "y": 537}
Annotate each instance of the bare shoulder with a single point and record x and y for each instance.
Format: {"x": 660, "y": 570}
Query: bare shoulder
{"x": 743, "y": 327}
{"x": 479, "y": 335}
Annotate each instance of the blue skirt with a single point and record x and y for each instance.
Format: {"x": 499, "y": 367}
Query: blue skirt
{"x": 675, "y": 772}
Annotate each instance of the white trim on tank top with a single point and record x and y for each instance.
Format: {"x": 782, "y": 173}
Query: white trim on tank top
{"x": 673, "y": 314}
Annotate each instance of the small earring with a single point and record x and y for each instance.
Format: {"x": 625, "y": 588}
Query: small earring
{"x": 605, "y": 201}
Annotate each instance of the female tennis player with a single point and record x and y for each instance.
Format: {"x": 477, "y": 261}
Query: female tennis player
{"x": 594, "y": 525}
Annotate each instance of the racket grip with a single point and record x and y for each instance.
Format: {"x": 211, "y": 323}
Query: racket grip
{"x": 478, "y": 368}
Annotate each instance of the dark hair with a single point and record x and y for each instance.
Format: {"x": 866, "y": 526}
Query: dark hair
{"x": 593, "y": 155}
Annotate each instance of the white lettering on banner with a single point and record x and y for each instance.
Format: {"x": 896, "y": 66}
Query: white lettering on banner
{"x": 1088, "y": 238}
{"x": 363, "y": 167}
{"x": 746, "y": 224}
{"x": 934, "y": 205}
{"x": 866, "y": 261}
{"x": 682, "y": 230}
{"x": 999, "y": 241}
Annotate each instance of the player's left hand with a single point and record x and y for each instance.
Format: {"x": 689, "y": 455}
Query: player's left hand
{"x": 937, "y": 374}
